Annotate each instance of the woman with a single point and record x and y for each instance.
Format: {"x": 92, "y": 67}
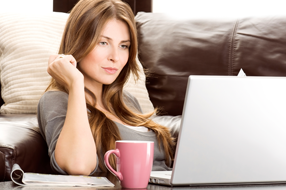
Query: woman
{"x": 84, "y": 110}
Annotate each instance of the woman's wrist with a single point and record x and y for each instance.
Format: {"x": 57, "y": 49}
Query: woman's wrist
{"x": 76, "y": 85}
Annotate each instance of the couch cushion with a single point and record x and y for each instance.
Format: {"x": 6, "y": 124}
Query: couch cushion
{"x": 172, "y": 48}
{"x": 26, "y": 42}
{"x": 21, "y": 143}
{"x": 260, "y": 44}
{"x": 138, "y": 89}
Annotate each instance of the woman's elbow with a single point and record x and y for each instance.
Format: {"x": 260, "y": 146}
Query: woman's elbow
{"x": 79, "y": 168}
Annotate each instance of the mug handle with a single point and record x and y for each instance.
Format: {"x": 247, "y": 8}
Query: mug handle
{"x": 106, "y": 163}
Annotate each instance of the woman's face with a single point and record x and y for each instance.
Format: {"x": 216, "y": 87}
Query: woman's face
{"x": 105, "y": 62}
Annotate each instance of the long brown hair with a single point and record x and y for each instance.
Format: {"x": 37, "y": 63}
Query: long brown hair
{"x": 81, "y": 35}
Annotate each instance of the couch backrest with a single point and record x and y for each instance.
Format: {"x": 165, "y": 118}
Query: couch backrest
{"x": 172, "y": 49}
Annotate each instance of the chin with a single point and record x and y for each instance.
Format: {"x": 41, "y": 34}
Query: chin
{"x": 109, "y": 82}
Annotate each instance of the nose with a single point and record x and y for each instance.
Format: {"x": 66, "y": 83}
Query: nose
{"x": 113, "y": 55}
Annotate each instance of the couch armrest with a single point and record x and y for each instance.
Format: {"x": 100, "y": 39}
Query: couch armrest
{"x": 21, "y": 143}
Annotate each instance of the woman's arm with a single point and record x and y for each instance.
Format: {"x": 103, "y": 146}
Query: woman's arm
{"x": 75, "y": 150}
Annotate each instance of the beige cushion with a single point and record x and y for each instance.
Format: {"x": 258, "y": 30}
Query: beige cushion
{"x": 138, "y": 89}
{"x": 26, "y": 42}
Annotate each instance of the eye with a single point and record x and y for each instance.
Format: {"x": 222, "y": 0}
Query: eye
{"x": 124, "y": 46}
{"x": 103, "y": 43}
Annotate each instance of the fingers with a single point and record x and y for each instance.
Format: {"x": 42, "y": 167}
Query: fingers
{"x": 62, "y": 55}
{"x": 58, "y": 62}
{"x": 63, "y": 69}
{"x": 67, "y": 58}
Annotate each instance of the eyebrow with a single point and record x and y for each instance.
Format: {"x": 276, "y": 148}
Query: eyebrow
{"x": 111, "y": 38}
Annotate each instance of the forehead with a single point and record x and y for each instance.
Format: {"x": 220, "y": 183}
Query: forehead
{"x": 116, "y": 30}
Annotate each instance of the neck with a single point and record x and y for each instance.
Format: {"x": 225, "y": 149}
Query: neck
{"x": 94, "y": 93}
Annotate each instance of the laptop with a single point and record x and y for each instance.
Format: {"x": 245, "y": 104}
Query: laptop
{"x": 233, "y": 131}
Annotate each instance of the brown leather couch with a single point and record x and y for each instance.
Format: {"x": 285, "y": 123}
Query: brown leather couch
{"x": 170, "y": 49}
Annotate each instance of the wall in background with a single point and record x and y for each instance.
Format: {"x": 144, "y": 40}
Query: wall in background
{"x": 59, "y": 5}
{"x": 181, "y": 8}
{"x": 136, "y": 5}
{"x": 26, "y": 5}
{"x": 220, "y": 8}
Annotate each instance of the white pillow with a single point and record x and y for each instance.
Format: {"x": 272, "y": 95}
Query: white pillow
{"x": 26, "y": 42}
{"x": 138, "y": 89}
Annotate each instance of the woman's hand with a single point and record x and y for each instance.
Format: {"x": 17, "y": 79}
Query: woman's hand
{"x": 63, "y": 69}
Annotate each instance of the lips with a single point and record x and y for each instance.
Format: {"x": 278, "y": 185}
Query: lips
{"x": 110, "y": 70}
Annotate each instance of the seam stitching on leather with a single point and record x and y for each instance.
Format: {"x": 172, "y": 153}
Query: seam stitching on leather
{"x": 231, "y": 48}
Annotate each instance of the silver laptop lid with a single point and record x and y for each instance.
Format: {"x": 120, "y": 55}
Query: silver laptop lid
{"x": 233, "y": 130}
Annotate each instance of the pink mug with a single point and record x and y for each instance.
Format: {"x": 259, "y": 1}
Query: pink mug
{"x": 134, "y": 162}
